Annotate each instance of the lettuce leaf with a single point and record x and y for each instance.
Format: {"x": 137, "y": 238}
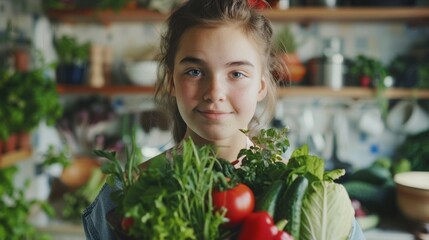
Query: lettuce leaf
{"x": 327, "y": 212}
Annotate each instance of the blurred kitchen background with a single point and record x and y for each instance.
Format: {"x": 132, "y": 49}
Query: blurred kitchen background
{"x": 357, "y": 94}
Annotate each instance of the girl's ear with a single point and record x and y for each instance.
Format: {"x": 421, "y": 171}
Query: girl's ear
{"x": 263, "y": 89}
{"x": 170, "y": 82}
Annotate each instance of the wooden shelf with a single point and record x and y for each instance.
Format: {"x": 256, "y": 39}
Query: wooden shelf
{"x": 351, "y": 92}
{"x": 105, "y": 16}
{"x": 414, "y": 14}
{"x": 347, "y": 92}
{"x": 11, "y": 158}
{"x": 298, "y": 14}
{"x": 107, "y": 90}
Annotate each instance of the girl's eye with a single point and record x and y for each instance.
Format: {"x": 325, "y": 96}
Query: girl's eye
{"x": 194, "y": 72}
{"x": 237, "y": 75}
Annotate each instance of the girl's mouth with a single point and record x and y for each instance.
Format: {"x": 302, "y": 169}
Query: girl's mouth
{"x": 213, "y": 114}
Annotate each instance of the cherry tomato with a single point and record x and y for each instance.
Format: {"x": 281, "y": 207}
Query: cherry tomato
{"x": 238, "y": 202}
{"x": 126, "y": 223}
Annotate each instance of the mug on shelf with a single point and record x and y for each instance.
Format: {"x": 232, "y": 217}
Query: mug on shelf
{"x": 408, "y": 117}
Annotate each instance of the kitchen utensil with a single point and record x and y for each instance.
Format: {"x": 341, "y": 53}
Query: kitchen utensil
{"x": 328, "y": 69}
{"x": 142, "y": 72}
{"x": 371, "y": 122}
{"x": 332, "y": 63}
{"x": 412, "y": 192}
{"x": 79, "y": 172}
{"x": 408, "y": 117}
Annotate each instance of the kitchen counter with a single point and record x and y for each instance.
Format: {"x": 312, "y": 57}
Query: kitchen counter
{"x": 69, "y": 231}
{"x": 59, "y": 230}
{"x": 397, "y": 227}
{"x": 387, "y": 234}
{"x": 393, "y": 228}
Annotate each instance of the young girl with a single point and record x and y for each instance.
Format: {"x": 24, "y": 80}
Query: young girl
{"x": 217, "y": 66}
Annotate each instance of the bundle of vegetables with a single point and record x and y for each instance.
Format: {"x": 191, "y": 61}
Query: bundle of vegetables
{"x": 198, "y": 196}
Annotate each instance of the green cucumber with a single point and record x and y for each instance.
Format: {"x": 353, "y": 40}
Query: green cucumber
{"x": 289, "y": 205}
{"x": 268, "y": 200}
{"x": 375, "y": 174}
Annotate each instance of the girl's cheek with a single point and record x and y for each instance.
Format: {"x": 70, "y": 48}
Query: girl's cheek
{"x": 188, "y": 90}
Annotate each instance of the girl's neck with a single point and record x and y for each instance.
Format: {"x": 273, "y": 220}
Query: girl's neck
{"x": 227, "y": 149}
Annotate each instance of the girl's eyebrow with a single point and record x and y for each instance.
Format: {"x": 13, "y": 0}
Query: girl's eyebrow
{"x": 191, "y": 60}
{"x": 240, "y": 63}
{"x": 200, "y": 61}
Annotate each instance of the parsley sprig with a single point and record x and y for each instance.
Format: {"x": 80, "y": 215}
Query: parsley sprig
{"x": 262, "y": 163}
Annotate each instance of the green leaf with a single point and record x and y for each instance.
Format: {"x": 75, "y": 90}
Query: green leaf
{"x": 105, "y": 154}
{"x": 108, "y": 168}
{"x": 303, "y": 163}
{"x": 334, "y": 174}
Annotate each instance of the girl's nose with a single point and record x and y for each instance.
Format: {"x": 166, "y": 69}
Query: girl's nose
{"x": 214, "y": 89}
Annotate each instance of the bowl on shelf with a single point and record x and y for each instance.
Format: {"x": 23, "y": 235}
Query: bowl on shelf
{"x": 412, "y": 192}
{"x": 142, "y": 73}
{"x": 79, "y": 171}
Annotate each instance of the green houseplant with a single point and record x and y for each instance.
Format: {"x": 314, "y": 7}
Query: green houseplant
{"x": 370, "y": 72}
{"x": 285, "y": 41}
{"x": 27, "y": 99}
{"x": 72, "y": 59}
{"x": 15, "y": 208}
{"x": 286, "y": 45}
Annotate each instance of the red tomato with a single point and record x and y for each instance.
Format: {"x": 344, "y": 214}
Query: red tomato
{"x": 260, "y": 225}
{"x": 126, "y": 223}
{"x": 238, "y": 202}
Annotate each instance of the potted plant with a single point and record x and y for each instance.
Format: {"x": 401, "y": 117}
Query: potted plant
{"x": 16, "y": 207}
{"x": 411, "y": 69}
{"x": 367, "y": 71}
{"x": 10, "y": 113}
{"x": 15, "y": 50}
{"x": 72, "y": 60}
{"x": 27, "y": 99}
{"x": 370, "y": 72}
{"x": 286, "y": 44}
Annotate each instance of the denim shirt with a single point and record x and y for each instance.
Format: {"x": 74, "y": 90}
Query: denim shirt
{"x": 94, "y": 216}
{"x": 97, "y": 228}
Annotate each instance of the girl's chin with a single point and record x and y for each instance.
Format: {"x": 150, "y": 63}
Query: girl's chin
{"x": 216, "y": 134}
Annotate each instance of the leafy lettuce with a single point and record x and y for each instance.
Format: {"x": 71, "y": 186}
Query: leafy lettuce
{"x": 327, "y": 212}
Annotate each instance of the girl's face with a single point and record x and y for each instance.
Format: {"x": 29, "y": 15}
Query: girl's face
{"x": 218, "y": 81}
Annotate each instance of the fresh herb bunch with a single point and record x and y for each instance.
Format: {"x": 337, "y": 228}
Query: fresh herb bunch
{"x": 168, "y": 198}
{"x": 120, "y": 177}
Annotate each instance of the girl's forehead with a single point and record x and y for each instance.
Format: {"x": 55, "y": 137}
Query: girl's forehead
{"x": 210, "y": 39}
